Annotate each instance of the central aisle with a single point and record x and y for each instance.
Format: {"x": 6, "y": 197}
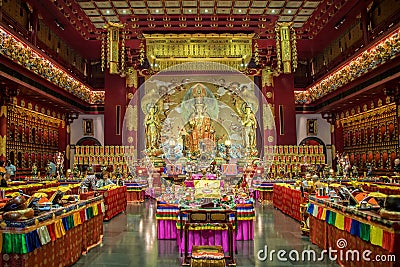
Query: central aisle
{"x": 131, "y": 240}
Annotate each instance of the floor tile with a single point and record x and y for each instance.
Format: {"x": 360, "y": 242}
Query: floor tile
{"x": 130, "y": 239}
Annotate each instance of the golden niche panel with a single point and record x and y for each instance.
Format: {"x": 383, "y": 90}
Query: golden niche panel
{"x": 166, "y": 50}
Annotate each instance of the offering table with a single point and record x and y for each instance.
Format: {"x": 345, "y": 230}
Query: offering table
{"x": 201, "y": 222}
{"x": 114, "y": 200}
{"x": 168, "y": 222}
{"x": 55, "y": 238}
{"x": 345, "y": 229}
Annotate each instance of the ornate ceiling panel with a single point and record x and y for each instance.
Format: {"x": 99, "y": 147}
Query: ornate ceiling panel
{"x": 254, "y": 16}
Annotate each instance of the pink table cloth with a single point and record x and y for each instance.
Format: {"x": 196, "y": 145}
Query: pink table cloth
{"x": 166, "y": 229}
{"x": 206, "y": 238}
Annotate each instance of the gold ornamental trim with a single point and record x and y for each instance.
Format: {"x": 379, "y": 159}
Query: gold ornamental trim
{"x": 3, "y": 142}
{"x": 35, "y": 116}
{"x": 366, "y": 61}
{"x": 3, "y": 111}
{"x": 21, "y": 52}
{"x": 167, "y": 50}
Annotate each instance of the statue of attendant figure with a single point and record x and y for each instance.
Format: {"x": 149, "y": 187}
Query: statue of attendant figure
{"x": 34, "y": 170}
{"x": 250, "y": 124}
{"x": 60, "y": 164}
{"x": 152, "y": 125}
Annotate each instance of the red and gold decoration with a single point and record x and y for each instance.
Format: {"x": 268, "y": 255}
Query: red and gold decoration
{"x": 28, "y": 57}
{"x": 114, "y": 43}
{"x": 288, "y": 200}
{"x": 70, "y": 233}
{"x": 290, "y": 159}
{"x": 369, "y": 137}
{"x": 115, "y": 199}
{"x": 381, "y": 52}
{"x": 286, "y": 47}
{"x": 361, "y": 231}
{"x": 3, "y": 132}
{"x": 166, "y": 50}
{"x": 33, "y": 137}
{"x": 117, "y": 156}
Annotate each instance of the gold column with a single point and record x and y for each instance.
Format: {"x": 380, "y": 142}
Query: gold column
{"x": 286, "y": 47}
{"x": 113, "y": 51}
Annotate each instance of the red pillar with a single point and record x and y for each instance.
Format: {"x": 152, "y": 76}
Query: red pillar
{"x": 285, "y": 110}
{"x": 114, "y": 109}
{"x": 3, "y": 132}
{"x": 269, "y": 133}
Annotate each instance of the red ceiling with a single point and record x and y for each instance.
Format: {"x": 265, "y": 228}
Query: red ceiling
{"x": 82, "y": 20}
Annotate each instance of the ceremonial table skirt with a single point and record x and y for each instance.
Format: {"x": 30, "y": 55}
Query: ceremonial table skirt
{"x": 318, "y": 232}
{"x": 166, "y": 229}
{"x": 167, "y": 220}
{"x": 136, "y": 195}
{"x": 63, "y": 251}
{"x": 245, "y": 230}
{"x": 206, "y": 238}
{"x": 115, "y": 201}
{"x": 288, "y": 200}
{"x": 355, "y": 243}
{"x": 351, "y": 233}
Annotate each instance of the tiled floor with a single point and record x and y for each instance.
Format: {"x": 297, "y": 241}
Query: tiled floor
{"x": 131, "y": 240}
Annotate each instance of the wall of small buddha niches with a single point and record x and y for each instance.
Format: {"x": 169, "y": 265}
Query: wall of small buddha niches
{"x": 117, "y": 157}
{"x": 369, "y": 133}
{"x": 33, "y": 135}
{"x": 291, "y": 159}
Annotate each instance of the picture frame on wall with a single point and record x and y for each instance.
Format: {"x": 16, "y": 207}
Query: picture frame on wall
{"x": 88, "y": 128}
{"x": 312, "y": 127}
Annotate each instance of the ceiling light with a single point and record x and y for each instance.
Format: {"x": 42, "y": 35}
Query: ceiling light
{"x": 289, "y": 11}
{"x": 124, "y": 11}
{"x": 206, "y": 10}
{"x": 240, "y": 11}
{"x": 340, "y": 23}
{"x": 108, "y": 11}
{"x": 190, "y": 11}
{"x": 59, "y": 25}
{"x": 273, "y": 11}
{"x": 157, "y": 10}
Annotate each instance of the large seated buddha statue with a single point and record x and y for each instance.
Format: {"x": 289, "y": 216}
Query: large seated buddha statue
{"x": 200, "y": 129}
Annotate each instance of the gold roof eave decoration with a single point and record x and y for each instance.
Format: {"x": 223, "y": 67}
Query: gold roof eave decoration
{"x": 167, "y": 50}
{"x": 18, "y": 50}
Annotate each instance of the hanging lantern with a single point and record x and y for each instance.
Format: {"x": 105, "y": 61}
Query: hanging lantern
{"x": 286, "y": 47}
{"x": 114, "y": 59}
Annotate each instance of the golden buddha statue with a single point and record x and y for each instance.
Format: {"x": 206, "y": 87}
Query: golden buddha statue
{"x": 249, "y": 123}
{"x": 152, "y": 128}
{"x": 199, "y": 127}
